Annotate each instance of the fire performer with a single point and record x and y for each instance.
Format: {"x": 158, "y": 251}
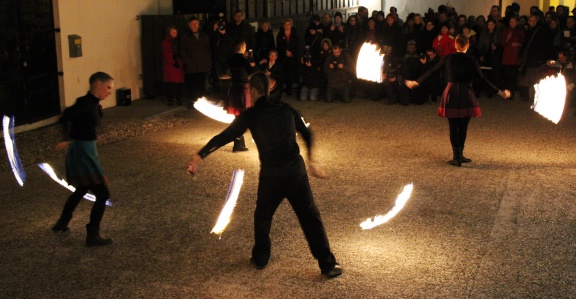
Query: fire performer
{"x": 239, "y": 94}
{"x": 83, "y": 169}
{"x": 459, "y": 103}
{"x": 282, "y": 173}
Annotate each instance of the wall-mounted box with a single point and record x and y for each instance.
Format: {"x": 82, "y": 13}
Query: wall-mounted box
{"x": 75, "y": 45}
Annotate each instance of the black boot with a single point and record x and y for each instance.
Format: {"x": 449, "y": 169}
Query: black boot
{"x": 61, "y": 226}
{"x": 457, "y": 157}
{"x": 93, "y": 237}
{"x": 464, "y": 159}
{"x": 239, "y": 145}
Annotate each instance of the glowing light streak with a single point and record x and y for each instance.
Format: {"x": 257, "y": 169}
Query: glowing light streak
{"x": 398, "y": 205}
{"x": 11, "y": 150}
{"x": 50, "y": 172}
{"x": 230, "y": 202}
{"x": 213, "y": 110}
{"x": 550, "y": 97}
{"x": 370, "y": 63}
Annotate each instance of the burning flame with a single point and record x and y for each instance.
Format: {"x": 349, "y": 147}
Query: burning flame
{"x": 11, "y": 151}
{"x": 50, "y": 172}
{"x": 550, "y": 97}
{"x": 370, "y": 63}
{"x": 230, "y": 202}
{"x": 213, "y": 110}
{"x": 398, "y": 205}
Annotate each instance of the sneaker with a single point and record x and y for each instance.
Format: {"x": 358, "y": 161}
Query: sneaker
{"x": 335, "y": 272}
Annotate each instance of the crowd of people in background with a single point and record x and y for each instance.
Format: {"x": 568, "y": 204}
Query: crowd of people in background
{"x": 515, "y": 51}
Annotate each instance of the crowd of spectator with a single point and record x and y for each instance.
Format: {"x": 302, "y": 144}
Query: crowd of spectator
{"x": 514, "y": 50}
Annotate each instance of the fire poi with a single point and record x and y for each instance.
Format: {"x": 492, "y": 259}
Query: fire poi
{"x": 370, "y": 63}
{"x": 213, "y": 110}
{"x": 398, "y": 205}
{"x": 550, "y": 97}
{"x": 11, "y": 150}
{"x": 50, "y": 172}
{"x": 229, "y": 202}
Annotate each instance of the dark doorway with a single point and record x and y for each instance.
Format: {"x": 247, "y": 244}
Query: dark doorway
{"x": 28, "y": 61}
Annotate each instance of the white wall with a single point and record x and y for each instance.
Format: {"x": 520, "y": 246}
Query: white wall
{"x": 110, "y": 35}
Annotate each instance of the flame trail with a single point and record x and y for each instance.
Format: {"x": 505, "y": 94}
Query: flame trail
{"x": 12, "y": 151}
{"x": 213, "y": 110}
{"x": 398, "y": 205}
{"x": 230, "y": 202}
{"x": 550, "y": 97}
{"x": 50, "y": 172}
{"x": 370, "y": 63}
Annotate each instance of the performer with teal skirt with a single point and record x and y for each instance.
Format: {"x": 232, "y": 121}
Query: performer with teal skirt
{"x": 83, "y": 169}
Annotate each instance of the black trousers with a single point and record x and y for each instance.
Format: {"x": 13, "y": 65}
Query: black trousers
{"x": 195, "y": 85}
{"x": 458, "y": 130}
{"x": 271, "y": 192}
{"x": 102, "y": 194}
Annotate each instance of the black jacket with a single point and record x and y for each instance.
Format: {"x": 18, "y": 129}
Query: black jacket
{"x": 79, "y": 121}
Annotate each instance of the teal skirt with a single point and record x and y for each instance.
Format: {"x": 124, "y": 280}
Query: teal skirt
{"x": 83, "y": 165}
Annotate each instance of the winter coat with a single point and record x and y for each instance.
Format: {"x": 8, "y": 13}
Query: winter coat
{"x": 511, "y": 46}
{"x": 196, "y": 52}
{"x": 339, "y": 78}
{"x": 242, "y": 31}
{"x": 444, "y": 45}
{"x": 172, "y": 65}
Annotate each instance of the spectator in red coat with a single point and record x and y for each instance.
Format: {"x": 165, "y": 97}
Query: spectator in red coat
{"x": 444, "y": 42}
{"x": 512, "y": 40}
{"x": 173, "y": 67}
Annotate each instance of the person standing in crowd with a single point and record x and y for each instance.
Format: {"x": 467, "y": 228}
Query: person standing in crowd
{"x": 288, "y": 45}
{"x": 339, "y": 70}
{"x": 430, "y": 33}
{"x": 83, "y": 168}
{"x": 238, "y": 29}
{"x": 512, "y": 40}
{"x": 353, "y": 37}
{"x": 337, "y": 34}
{"x": 312, "y": 37}
{"x": 172, "y": 67}
{"x": 325, "y": 25}
{"x": 282, "y": 173}
{"x": 221, "y": 47}
{"x": 362, "y": 18}
{"x": 533, "y": 53}
{"x": 264, "y": 40}
{"x": 490, "y": 54}
{"x": 196, "y": 54}
{"x": 239, "y": 94}
{"x": 444, "y": 42}
{"x": 459, "y": 103}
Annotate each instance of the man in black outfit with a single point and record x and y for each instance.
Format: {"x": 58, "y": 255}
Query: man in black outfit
{"x": 282, "y": 173}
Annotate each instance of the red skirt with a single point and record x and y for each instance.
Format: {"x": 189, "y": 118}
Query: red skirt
{"x": 459, "y": 101}
{"x": 238, "y": 99}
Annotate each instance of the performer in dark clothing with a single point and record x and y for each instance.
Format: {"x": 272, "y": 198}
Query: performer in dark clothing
{"x": 282, "y": 173}
{"x": 459, "y": 103}
{"x": 83, "y": 169}
{"x": 239, "y": 94}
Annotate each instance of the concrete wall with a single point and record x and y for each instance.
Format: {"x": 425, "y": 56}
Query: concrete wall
{"x": 110, "y": 33}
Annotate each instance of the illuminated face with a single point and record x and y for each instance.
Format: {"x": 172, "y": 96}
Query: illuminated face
{"x": 491, "y": 26}
{"x": 173, "y": 33}
{"x": 338, "y": 19}
{"x": 390, "y": 20}
{"x": 194, "y": 25}
{"x": 265, "y": 27}
{"x": 272, "y": 56}
{"x": 429, "y": 26}
{"x": 238, "y": 17}
{"x": 432, "y": 55}
{"x": 336, "y": 51}
{"x": 444, "y": 30}
{"x": 512, "y": 23}
{"x": 326, "y": 46}
{"x": 466, "y": 31}
{"x": 371, "y": 24}
{"x": 532, "y": 21}
{"x": 326, "y": 18}
{"x": 461, "y": 21}
{"x": 102, "y": 90}
{"x": 353, "y": 21}
{"x": 417, "y": 20}
{"x": 287, "y": 26}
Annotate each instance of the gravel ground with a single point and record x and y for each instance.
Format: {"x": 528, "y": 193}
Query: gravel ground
{"x": 503, "y": 226}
